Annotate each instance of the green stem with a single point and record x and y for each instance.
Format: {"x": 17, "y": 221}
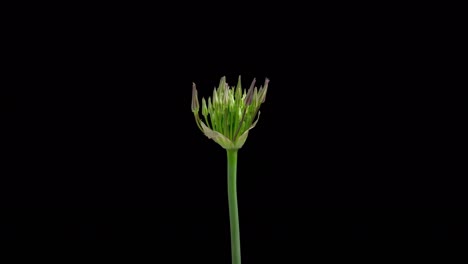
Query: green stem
{"x": 233, "y": 211}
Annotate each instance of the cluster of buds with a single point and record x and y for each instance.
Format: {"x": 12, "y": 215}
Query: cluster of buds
{"x": 230, "y": 113}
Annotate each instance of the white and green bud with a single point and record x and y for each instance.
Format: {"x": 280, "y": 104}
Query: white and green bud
{"x": 226, "y": 95}
{"x": 231, "y": 112}
{"x": 204, "y": 108}
{"x": 210, "y": 107}
{"x": 238, "y": 95}
{"x": 215, "y": 97}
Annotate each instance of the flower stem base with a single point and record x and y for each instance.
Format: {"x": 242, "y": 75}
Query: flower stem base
{"x": 233, "y": 209}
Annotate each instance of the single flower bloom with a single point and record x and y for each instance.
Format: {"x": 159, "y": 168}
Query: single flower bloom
{"x": 230, "y": 113}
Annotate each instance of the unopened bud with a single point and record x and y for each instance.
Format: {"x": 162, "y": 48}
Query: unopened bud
{"x": 226, "y": 96}
{"x": 215, "y": 97}
{"x": 248, "y": 100}
{"x": 265, "y": 89}
{"x": 238, "y": 93}
{"x": 204, "y": 108}
{"x": 195, "y": 105}
{"x": 255, "y": 95}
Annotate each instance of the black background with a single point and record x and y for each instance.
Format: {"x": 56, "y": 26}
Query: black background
{"x": 105, "y": 147}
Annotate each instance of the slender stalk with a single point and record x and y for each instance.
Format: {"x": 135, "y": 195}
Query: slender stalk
{"x": 233, "y": 211}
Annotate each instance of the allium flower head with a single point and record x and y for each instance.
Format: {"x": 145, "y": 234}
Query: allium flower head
{"x": 229, "y": 114}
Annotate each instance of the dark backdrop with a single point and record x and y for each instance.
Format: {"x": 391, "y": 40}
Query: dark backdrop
{"x": 105, "y": 147}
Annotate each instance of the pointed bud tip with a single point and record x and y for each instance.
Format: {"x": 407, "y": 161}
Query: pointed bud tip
{"x": 250, "y": 92}
{"x": 204, "y": 107}
{"x": 250, "y": 95}
{"x": 194, "y": 105}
